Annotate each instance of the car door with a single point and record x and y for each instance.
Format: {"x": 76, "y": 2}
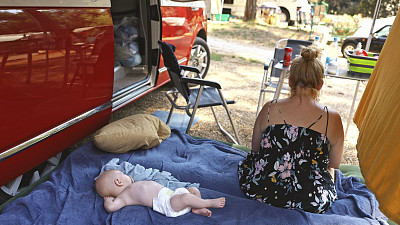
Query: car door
{"x": 51, "y": 91}
{"x": 379, "y": 38}
{"x": 137, "y": 30}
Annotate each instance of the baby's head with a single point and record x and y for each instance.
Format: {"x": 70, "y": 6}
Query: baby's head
{"x": 112, "y": 183}
{"x": 307, "y": 71}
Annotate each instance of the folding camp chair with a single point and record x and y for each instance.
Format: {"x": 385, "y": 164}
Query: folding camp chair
{"x": 269, "y": 70}
{"x": 207, "y": 95}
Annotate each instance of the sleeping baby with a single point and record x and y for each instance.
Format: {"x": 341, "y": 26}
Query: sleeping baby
{"x": 119, "y": 190}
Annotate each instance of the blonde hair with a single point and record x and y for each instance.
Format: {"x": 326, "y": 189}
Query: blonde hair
{"x": 307, "y": 71}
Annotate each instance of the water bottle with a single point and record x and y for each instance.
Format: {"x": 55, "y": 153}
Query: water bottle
{"x": 327, "y": 61}
{"x": 359, "y": 51}
{"x": 336, "y": 49}
{"x": 332, "y": 65}
{"x": 358, "y": 48}
{"x": 317, "y": 42}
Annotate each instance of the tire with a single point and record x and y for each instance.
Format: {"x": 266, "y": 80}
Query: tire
{"x": 349, "y": 46}
{"x": 200, "y": 58}
{"x": 284, "y": 16}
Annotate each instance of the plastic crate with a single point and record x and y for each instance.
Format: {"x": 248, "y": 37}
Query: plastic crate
{"x": 224, "y": 17}
{"x": 361, "y": 65}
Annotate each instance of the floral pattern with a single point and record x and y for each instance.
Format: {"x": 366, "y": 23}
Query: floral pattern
{"x": 290, "y": 170}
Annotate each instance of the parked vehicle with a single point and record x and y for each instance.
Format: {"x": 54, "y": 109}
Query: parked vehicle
{"x": 290, "y": 9}
{"x": 381, "y": 30}
{"x": 67, "y": 65}
{"x": 377, "y": 41}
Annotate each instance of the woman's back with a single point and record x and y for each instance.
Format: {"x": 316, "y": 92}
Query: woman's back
{"x": 296, "y": 144}
{"x": 291, "y": 167}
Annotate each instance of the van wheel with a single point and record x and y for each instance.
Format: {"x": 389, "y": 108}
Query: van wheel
{"x": 200, "y": 58}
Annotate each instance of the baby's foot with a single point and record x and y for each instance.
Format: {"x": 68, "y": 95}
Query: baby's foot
{"x": 203, "y": 212}
{"x": 218, "y": 202}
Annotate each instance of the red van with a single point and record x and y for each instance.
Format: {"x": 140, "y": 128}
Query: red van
{"x": 67, "y": 65}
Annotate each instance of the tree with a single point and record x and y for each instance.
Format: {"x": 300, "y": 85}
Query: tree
{"x": 388, "y": 8}
{"x": 341, "y": 7}
{"x": 250, "y": 10}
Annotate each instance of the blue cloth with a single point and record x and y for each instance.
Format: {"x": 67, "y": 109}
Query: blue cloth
{"x": 177, "y": 121}
{"x": 68, "y": 197}
{"x": 139, "y": 173}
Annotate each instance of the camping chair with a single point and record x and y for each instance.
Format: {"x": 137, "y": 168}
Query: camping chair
{"x": 270, "y": 71}
{"x": 207, "y": 95}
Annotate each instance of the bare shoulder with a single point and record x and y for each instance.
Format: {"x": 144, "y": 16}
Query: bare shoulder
{"x": 334, "y": 115}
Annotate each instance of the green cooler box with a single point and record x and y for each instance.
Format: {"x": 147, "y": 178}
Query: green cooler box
{"x": 361, "y": 65}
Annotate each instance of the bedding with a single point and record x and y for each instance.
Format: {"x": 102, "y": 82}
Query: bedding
{"x": 68, "y": 196}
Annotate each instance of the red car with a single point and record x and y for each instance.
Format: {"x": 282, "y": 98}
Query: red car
{"x": 67, "y": 65}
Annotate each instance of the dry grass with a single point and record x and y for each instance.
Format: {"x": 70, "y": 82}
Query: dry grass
{"x": 255, "y": 33}
{"x": 241, "y": 80}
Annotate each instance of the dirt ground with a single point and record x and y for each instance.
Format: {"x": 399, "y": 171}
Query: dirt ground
{"x": 240, "y": 77}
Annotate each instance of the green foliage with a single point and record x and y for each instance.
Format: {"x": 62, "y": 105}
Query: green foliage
{"x": 341, "y": 7}
{"x": 388, "y": 8}
{"x": 366, "y": 7}
{"x": 347, "y": 25}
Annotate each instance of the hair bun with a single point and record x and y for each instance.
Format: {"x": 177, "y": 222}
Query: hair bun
{"x": 310, "y": 52}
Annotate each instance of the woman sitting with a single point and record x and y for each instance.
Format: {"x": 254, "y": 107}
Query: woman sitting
{"x": 296, "y": 144}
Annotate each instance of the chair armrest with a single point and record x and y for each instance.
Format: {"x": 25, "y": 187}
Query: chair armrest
{"x": 201, "y": 82}
{"x": 268, "y": 63}
{"x": 189, "y": 68}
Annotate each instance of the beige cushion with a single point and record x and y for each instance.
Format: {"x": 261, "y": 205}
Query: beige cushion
{"x": 138, "y": 131}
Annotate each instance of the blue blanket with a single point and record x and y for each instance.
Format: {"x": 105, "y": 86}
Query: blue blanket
{"x": 68, "y": 197}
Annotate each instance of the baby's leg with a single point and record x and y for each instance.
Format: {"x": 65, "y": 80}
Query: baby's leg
{"x": 181, "y": 201}
{"x": 194, "y": 191}
{"x": 200, "y": 211}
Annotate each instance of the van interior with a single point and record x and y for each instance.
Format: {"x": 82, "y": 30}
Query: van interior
{"x": 131, "y": 38}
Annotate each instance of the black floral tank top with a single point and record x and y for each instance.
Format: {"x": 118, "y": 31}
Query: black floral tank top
{"x": 290, "y": 169}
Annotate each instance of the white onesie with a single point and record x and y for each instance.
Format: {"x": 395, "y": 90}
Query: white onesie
{"x": 162, "y": 203}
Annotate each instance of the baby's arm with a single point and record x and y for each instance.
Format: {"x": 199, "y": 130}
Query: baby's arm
{"x": 112, "y": 204}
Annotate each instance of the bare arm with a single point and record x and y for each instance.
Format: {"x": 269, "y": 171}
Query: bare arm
{"x": 112, "y": 204}
{"x": 337, "y": 142}
{"x": 258, "y": 128}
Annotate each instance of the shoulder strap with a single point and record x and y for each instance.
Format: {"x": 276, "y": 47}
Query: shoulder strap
{"x": 269, "y": 106}
{"x": 277, "y": 106}
{"x": 325, "y": 108}
{"x": 327, "y": 119}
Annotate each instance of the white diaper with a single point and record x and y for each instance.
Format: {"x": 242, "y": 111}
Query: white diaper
{"x": 162, "y": 203}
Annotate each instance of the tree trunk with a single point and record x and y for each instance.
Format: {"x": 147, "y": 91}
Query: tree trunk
{"x": 251, "y": 10}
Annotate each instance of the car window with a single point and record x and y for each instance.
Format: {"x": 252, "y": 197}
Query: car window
{"x": 384, "y": 32}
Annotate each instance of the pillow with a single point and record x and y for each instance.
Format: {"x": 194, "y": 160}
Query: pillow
{"x": 138, "y": 131}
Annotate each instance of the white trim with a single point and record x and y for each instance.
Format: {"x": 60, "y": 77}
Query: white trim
{"x": 181, "y": 61}
{"x": 55, "y": 3}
